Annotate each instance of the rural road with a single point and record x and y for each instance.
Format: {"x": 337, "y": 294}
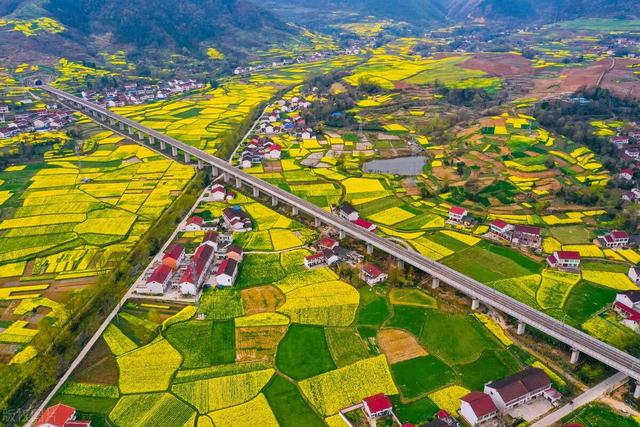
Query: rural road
{"x": 108, "y": 320}
{"x": 585, "y": 398}
{"x": 578, "y": 340}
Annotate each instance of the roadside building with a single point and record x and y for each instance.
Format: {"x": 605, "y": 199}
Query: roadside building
{"x": 174, "y": 256}
{"x": 235, "y": 253}
{"x": 457, "y": 214}
{"x": 377, "y": 406}
{"x": 372, "y": 274}
{"x": 477, "y": 408}
{"x": 634, "y": 275}
{"x": 527, "y": 236}
{"x": 194, "y": 224}
{"x": 614, "y": 239}
{"x": 227, "y": 273}
{"x": 348, "y": 212}
{"x": 158, "y": 280}
{"x": 236, "y": 219}
{"x": 564, "y": 260}
{"x": 60, "y": 416}
{"x": 314, "y": 260}
{"x": 327, "y": 243}
{"x": 501, "y": 229}
{"x": 523, "y": 387}
{"x": 627, "y": 305}
{"x": 367, "y": 225}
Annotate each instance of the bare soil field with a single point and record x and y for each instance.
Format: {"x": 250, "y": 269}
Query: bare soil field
{"x": 399, "y": 345}
{"x": 261, "y": 299}
{"x": 500, "y": 65}
{"x": 258, "y": 344}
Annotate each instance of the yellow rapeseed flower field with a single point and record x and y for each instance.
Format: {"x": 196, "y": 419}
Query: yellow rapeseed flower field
{"x": 332, "y": 303}
{"x": 148, "y": 368}
{"x": 256, "y": 412}
{"x": 448, "y": 398}
{"x": 337, "y": 389}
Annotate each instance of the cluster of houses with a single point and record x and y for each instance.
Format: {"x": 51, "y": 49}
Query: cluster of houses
{"x": 258, "y": 149}
{"x": 135, "y": 94}
{"x": 499, "y": 397}
{"x": 53, "y": 117}
{"x": 517, "y": 234}
{"x": 349, "y": 213}
{"x": 478, "y": 408}
{"x": 627, "y": 305}
{"x": 60, "y": 416}
{"x": 300, "y": 59}
{"x": 215, "y": 261}
{"x": 460, "y": 217}
{"x": 329, "y": 253}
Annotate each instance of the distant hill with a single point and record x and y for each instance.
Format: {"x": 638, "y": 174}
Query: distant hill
{"x": 439, "y": 12}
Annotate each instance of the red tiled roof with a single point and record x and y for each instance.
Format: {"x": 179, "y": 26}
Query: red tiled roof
{"x": 627, "y": 171}
{"x": 528, "y": 229}
{"x": 499, "y": 223}
{"x": 568, "y": 255}
{"x": 195, "y": 220}
{"x": 275, "y": 147}
{"x": 457, "y": 210}
{"x": 211, "y": 236}
{"x": 188, "y": 276}
{"x": 217, "y": 189}
{"x": 480, "y": 402}
{"x": 618, "y": 234}
{"x": 379, "y": 402}
{"x": 175, "y": 251}
{"x": 314, "y": 256}
{"x": 633, "y": 315}
{"x": 203, "y": 255}
{"x": 364, "y": 224}
{"x": 327, "y": 242}
{"x": 442, "y": 414}
{"x": 372, "y": 270}
{"x": 160, "y": 274}
{"x": 56, "y": 415}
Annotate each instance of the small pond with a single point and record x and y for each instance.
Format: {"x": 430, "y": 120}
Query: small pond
{"x": 404, "y": 166}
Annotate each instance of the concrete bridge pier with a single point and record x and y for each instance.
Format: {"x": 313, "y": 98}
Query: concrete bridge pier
{"x": 521, "y": 328}
{"x": 575, "y": 356}
{"x": 294, "y": 211}
{"x": 163, "y": 145}
{"x": 121, "y": 125}
{"x": 400, "y": 264}
{"x": 256, "y": 192}
{"x": 475, "y": 304}
{"x": 112, "y": 122}
{"x": 369, "y": 248}
{"x": 187, "y": 158}
{"x": 141, "y": 135}
{"x": 636, "y": 391}
{"x": 317, "y": 222}
{"x": 214, "y": 171}
{"x": 152, "y": 140}
{"x": 130, "y": 130}
{"x": 274, "y": 201}
{"x": 238, "y": 183}
{"x": 225, "y": 177}
{"x": 200, "y": 164}
{"x": 435, "y": 283}
{"x": 174, "y": 151}
{"x": 342, "y": 234}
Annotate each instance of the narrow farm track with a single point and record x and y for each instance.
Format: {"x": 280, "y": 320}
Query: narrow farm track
{"x": 571, "y": 336}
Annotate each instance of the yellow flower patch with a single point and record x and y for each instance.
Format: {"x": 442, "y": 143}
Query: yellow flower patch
{"x": 256, "y": 412}
{"x": 262, "y": 319}
{"x": 630, "y": 255}
{"x": 448, "y": 398}
{"x": 222, "y": 392}
{"x": 495, "y": 329}
{"x": 461, "y": 237}
{"x": 587, "y": 251}
{"x": 391, "y": 216}
{"x": 332, "y": 303}
{"x": 148, "y": 368}
{"x": 618, "y": 281}
{"x": 555, "y": 378}
{"x": 550, "y": 245}
{"x": 117, "y": 341}
{"x": 340, "y": 388}
{"x": 284, "y": 239}
{"x": 363, "y": 185}
{"x": 28, "y": 353}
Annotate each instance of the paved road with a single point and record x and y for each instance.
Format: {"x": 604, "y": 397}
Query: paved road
{"x": 80, "y": 357}
{"x": 578, "y": 340}
{"x": 585, "y": 398}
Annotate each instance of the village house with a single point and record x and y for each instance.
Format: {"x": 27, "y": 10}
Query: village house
{"x": 520, "y": 388}
{"x": 564, "y": 260}
{"x": 314, "y": 260}
{"x": 348, "y": 212}
{"x": 212, "y": 238}
{"x": 626, "y": 174}
{"x": 501, "y": 229}
{"x": 158, "y": 280}
{"x": 173, "y": 256}
{"x": 614, "y": 240}
{"x": 627, "y": 305}
{"x": 327, "y": 243}
{"x": 457, "y": 214}
{"x": 634, "y": 275}
{"x": 60, "y": 415}
{"x": 235, "y": 253}
{"x": 227, "y": 272}
{"x": 217, "y": 193}
{"x": 527, "y": 236}
{"x": 372, "y": 274}
{"x": 236, "y": 219}
{"x": 620, "y": 140}
{"x": 196, "y": 273}
{"x": 330, "y": 257}
{"x": 194, "y": 224}
{"x": 377, "y": 406}
{"x": 367, "y": 225}
{"x": 477, "y": 408}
